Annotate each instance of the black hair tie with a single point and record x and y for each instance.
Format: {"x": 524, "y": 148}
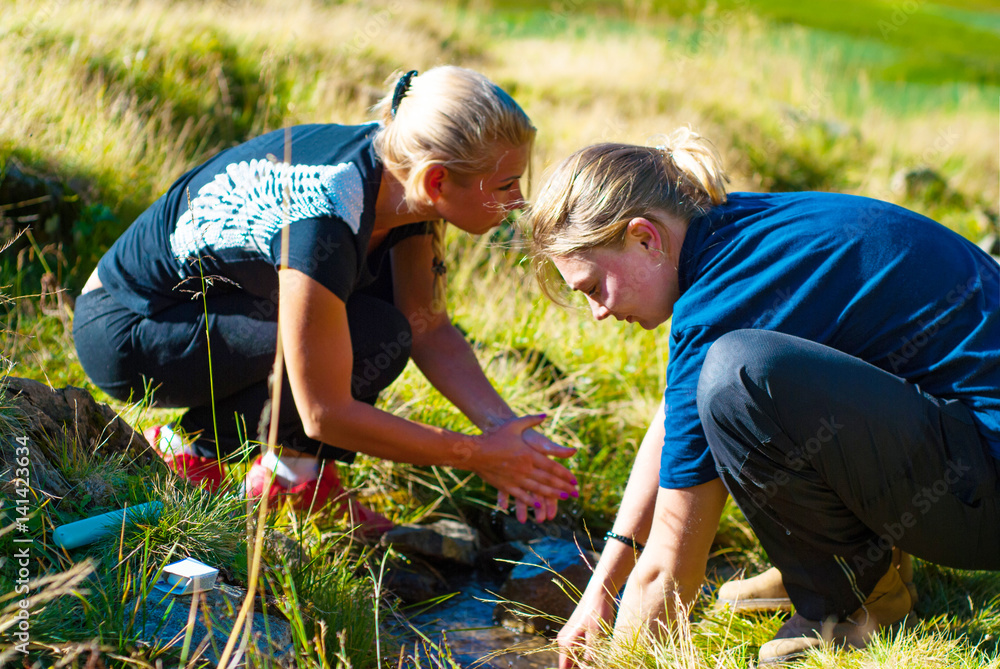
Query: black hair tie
{"x": 402, "y": 86}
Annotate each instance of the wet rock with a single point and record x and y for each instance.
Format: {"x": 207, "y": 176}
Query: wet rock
{"x": 442, "y": 540}
{"x": 508, "y": 528}
{"x": 534, "y": 597}
{"x": 492, "y": 648}
{"x": 496, "y": 562}
{"x": 465, "y": 623}
{"x": 414, "y": 584}
{"x": 162, "y": 619}
{"x": 66, "y": 418}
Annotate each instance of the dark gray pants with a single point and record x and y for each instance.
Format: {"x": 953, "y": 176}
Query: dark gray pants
{"x": 834, "y": 461}
{"x": 123, "y": 352}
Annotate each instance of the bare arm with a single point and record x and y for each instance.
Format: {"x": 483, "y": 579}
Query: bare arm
{"x": 439, "y": 349}
{"x": 635, "y": 516}
{"x": 319, "y": 363}
{"x": 677, "y": 527}
{"x": 673, "y": 564}
{"x": 447, "y": 360}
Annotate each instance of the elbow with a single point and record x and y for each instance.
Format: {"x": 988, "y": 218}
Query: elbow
{"x": 323, "y": 416}
{"x": 315, "y": 424}
{"x": 648, "y": 571}
{"x": 679, "y": 587}
{"x": 312, "y": 430}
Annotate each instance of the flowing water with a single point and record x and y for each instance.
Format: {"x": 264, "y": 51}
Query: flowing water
{"x": 465, "y": 623}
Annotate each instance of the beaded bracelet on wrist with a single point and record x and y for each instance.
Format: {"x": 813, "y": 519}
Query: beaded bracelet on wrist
{"x": 628, "y": 541}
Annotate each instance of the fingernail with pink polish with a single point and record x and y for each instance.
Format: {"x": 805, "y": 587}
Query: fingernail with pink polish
{"x": 538, "y": 505}
{"x": 564, "y": 495}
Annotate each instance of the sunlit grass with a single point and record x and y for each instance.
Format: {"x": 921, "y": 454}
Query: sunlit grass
{"x": 120, "y": 99}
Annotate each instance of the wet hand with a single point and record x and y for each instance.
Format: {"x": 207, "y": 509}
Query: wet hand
{"x": 591, "y": 620}
{"x": 521, "y": 469}
{"x": 546, "y": 508}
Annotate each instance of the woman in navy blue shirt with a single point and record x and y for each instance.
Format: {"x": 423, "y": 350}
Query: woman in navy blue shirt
{"x": 324, "y": 233}
{"x": 834, "y": 366}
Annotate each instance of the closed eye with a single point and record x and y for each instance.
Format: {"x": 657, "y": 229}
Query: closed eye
{"x": 508, "y": 186}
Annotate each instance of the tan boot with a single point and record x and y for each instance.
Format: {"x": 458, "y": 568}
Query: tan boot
{"x": 904, "y": 564}
{"x": 763, "y": 592}
{"x": 888, "y": 604}
{"x": 766, "y": 591}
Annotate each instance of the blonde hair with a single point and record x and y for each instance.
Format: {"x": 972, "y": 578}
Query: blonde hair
{"x": 589, "y": 198}
{"x": 448, "y": 116}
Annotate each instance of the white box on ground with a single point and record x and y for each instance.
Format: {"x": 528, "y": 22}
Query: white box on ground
{"x": 189, "y": 576}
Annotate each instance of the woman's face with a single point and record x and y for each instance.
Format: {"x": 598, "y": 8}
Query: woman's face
{"x": 477, "y": 204}
{"x": 637, "y": 283}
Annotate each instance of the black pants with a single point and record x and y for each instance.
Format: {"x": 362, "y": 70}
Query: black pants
{"x": 124, "y": 353}
{"x": 834, "y": 461}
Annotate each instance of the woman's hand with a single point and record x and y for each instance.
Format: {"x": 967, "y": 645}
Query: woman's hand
{"x": 546, "y": 508}
{"x": 591, "y": 620}
{"x": 504, "y": 458}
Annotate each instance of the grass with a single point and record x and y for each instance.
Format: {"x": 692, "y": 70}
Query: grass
{"x": 117, "y": 100}
{"x": 93, "y": 599}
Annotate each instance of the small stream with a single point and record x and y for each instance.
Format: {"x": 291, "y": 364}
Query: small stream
{"x": 465, "y": 623}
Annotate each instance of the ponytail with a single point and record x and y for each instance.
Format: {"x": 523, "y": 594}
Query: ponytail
{"x": 438, "y": 302}
{"x": 447, "y": 116}
{"x": 590, "y": 197}
{"x": 698, "y": 167}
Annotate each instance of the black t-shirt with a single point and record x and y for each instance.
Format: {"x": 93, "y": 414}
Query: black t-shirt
{"x": 218, "y": 227}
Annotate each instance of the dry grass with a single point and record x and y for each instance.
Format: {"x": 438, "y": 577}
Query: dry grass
{"x": 122, "y": 98}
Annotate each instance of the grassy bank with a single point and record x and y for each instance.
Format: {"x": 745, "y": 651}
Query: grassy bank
{"x": 117, "y": 100}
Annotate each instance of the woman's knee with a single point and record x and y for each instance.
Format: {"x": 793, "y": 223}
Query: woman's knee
{"x": 723, "y": 375}
{"x": 752, "y": 365}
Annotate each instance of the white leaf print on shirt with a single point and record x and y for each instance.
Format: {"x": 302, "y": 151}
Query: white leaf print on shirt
{"x": 242, "y": 208}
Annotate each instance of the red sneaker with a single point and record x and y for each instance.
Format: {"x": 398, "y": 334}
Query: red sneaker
{"x": 316, "y": 494}
{"x": 204, "y": 472}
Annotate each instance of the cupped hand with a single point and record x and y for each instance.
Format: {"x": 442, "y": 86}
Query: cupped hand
{"x": 591, "y": 620}
{"x": 546, "y": 446}
{"x": 506, "y": 460}
{"x": 546, "y": 508}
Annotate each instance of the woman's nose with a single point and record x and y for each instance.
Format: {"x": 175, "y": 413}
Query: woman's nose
{"x": 516, "y": 201}
{"x": 599, "y": 310}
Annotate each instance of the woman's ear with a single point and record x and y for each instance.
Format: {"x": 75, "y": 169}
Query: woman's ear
{"x": 434, "y": 181}
{"x": 644, "y": 232}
